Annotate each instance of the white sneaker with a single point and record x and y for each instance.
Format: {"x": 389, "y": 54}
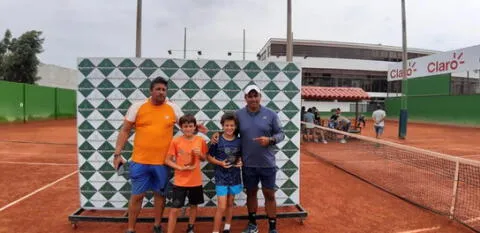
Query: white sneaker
{"x": 324, "y": 141}
{"x": 343, "y": 141}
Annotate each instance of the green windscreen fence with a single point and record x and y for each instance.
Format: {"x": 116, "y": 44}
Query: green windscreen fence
{"x": 11, "y": 101}
{"x": 429, "y": 99}
{"x": 431, "y": 85}
{"x": 459, "y": 109}
{"x": 25, "y": 102}
{"x": 66, "y": 103}
{"x": 39, "y": 102}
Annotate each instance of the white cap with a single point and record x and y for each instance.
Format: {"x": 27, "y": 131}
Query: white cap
{"x": 250, "y": 88}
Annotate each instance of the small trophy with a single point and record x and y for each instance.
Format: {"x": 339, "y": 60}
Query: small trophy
{"x": 231, "y": 155}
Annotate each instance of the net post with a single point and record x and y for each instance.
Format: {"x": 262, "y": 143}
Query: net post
{"x": 455, "y": 188}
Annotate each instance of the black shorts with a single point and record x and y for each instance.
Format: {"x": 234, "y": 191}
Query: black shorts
{"x": 194, "y": 194}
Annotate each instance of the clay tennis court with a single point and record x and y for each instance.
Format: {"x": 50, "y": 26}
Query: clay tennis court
{"x": 40, "y": 185}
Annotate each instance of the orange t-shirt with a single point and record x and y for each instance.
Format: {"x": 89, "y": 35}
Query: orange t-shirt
{"x": 181, "y": 149}
{"x": 153, "y": 130}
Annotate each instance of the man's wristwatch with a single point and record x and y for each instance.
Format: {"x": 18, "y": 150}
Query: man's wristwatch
{"x": 272, "y": 140}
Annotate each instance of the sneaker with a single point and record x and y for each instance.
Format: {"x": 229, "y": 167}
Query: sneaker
{"x": 251, "y": 229}
{"x": 316, "y": 141}
{"x": 324, "y": 141}
{"x": 273, "y": 231}
{"x": 129, "y": 231}
{"x": 226, "y": 231}
{"x": 343, "y": 141}
{"x": 190, "y": 230}
{"x": 157, "y": 229}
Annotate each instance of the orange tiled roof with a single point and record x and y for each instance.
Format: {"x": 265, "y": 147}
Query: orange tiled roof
{"x": 331, "y": 93}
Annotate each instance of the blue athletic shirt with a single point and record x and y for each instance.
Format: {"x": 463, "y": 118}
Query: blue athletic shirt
{"x": 221, "y": 151}
{"x": 265, "y": 122}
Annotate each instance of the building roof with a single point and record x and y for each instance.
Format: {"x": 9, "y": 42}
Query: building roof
{"x": 347, "y": 45}
{"x": 332, "y": 93}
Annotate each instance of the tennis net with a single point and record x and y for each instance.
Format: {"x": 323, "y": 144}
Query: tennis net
{"x": 442, "y": 183}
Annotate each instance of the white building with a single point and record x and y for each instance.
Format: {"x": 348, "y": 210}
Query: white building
{"x": 57, "y": 76}
{"x": 341, "y": 64}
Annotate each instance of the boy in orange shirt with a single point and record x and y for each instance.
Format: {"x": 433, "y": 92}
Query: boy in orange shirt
{"x": 184, "y": 156}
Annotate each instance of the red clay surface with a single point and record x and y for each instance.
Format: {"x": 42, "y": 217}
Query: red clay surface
{"x": 335, "y": 200}
{"x": 452, "y": 140}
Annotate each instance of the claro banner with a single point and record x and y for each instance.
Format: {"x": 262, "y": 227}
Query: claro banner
{"x": 459, "y": 60}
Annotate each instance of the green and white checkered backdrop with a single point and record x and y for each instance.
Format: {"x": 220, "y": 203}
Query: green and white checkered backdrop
{"x": 108, "y": 86}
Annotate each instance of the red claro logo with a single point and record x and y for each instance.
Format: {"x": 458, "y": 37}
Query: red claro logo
{"x": 437, "y": 66}
{"x": 398, "y": 73}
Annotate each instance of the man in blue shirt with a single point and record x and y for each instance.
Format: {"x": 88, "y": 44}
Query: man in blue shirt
{"x": 260, "y": 130}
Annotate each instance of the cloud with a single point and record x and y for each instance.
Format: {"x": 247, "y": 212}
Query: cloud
{"x": 107, "y": 28}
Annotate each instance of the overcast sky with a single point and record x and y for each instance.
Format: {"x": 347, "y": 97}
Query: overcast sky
{"x": 106, "y": 28}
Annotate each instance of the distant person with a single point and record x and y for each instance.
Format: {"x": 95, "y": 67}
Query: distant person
{"x": 333, "y": 119}
{"x": 309, "y": 118}
{"x": 378, "y": 117}
{"x": 317, "y": 119}
{"x": 302, "y": 112}
{"x": 344, "y": 125}
{"x": 302, "y": 126}
{"x": 318, "y": 131}
{"x": 361, "y": 121}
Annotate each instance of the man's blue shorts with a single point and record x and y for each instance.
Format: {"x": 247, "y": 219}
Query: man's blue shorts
{"x": 378, "y": 129}
{"x": 223, "y": 190}
{"x": 146, "y": 177}
{"x": 253, "y": 175}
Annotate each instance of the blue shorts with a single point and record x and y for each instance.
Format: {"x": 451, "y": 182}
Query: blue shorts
{"x": 253, "y": 175}
{"x": 223, "y": 190}
{"x": 379, "y": 129}
{"x": 146, "y": 177}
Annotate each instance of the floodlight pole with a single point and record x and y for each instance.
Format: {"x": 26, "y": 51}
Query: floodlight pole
{"x": 185, "y": 43}
{"x": 138, "y": 45}
{"x": 289, "y": 32}
{"x": 244, "y": 44}
{"x": 402, "y": 123}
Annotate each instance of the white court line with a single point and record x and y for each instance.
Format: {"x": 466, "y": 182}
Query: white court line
{"x": 36, "y": 191}
{"x": 467, "y": 156}
{"x": 359, "y": 161}
{"x": 28, "y": 163}
{"x": 472, "y": 220}
{"x": 309, "y": 162}
{"x": 420, "y": 230}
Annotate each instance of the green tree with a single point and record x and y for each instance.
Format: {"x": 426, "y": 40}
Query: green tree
{"x": 18, "y": 57}
{"x": 3, "y": 50}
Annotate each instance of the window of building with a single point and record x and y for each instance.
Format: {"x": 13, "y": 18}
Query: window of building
{"x": 464, "y": 85}
{"x": 395, "y": 86}
{"x": 340, "y": 52}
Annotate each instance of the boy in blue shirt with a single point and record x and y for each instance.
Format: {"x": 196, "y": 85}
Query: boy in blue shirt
{"x": 226, "y": 155}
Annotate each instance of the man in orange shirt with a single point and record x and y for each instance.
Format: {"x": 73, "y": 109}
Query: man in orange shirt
{"x": 184, "y": 156}
{"x": 154, "y": 120}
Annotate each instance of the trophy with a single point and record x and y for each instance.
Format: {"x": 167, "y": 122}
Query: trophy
{"x": 232, "y": 155}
